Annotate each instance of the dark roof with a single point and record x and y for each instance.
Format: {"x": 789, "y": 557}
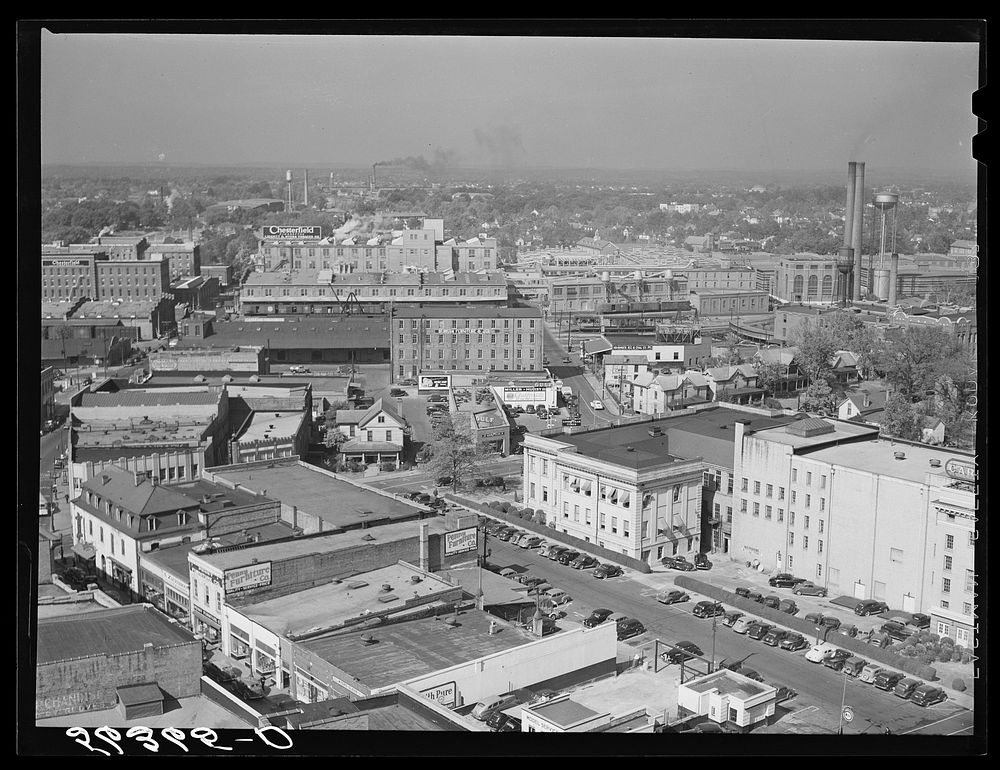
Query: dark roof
{"x": 709, "y": 434}
{"x": 112, "y": 631}
{"x": 811, "y": 426}
{"x": 467, "y": 312}
{"x": 119, "y": 487}
{"x": 147, "y": 398}
{"x": 135, "y": 694}
{"x": 323, "y": 332}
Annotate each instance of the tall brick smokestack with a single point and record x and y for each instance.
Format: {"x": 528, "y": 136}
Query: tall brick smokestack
{"x": 893, "y": 277}
{"x": 305, "y": 187}
{"x": 852, "y": 180}
{"x": 859, "y": 216}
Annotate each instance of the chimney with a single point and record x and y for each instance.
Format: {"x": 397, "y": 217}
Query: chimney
{"x": 424, "y": 551}
{"x": 893, "y": 277}
{"x": 305, "y": 187}
{"x": 857, "y": 226}
{"x": 852, "y": 180}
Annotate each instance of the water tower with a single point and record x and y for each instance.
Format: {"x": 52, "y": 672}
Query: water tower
{"x": 885, "y": 209}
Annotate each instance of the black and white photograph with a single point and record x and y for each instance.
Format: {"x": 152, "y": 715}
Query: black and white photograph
{"x": 592, "y": 378}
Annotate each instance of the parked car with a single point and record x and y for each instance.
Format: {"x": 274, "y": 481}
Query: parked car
{"x": 730, "y": 617}
{"x": 532, "y": 541}
{"x": 567, "y": 360}
{"x": 533, "y": 581}
{"x": 771, "y": 601}
{"x": 596, "y": 405}
{"x": 584, "y": 561}
{"x": 742, "y": 624}
{"x": 854, "y": 666}
{"x": 398, "y": 393}
{"x": 558, "y": 596}
{"x": 682, "y": 651}
{"x": 783, "y": 693}
{"x": 437, "y": 398}
{"x": 508, "y": 572}
{"x": 566, "y": 557}
{"x": 758, "y": 630}
{"x": 608, "y": 571}
{"x": 656, "y": 430}
{"x": 677, "y": 562}
{"x": 506, "y": 534}
{"x": 816, "y": 618}
{"x": 905, "y": 687}
{"x": 492, "y": 704}
{"x": 708, "y": 609}
{"x": 809, "y": 589}
{"x": 701, "y": 561}
{"x": 492, "y": 527}
{"x": 870, "y": 673}
{"x": 672, "y": 597}
{"x": 819, "y": 651}
{"x": 775, "y": 636}
{"x": 848, "y": 630}
{"x": 896, "y": 631}
{"x": 709, "y": 728}
{"x": 556, "y": 551}
{"x": 793, "y": 642}
{"x": 871, "y": 607}
{"x": 836, "y": 659}
{"x": 742, "y": 591}
{"x": 629, "y": 627}
{"x": 788, "y": 606}
{"x": 919, "y": 620}
{"x": 887, "y": 680}
{"x": 500, "y": 722}
{"x": 597, "y": 617}
{"x": 749, "y": 673}
{"x": 785, "y": 580}
{"x": 755, "y": 596}
{"x": 928, "y": 695}
{"x": 831, "y": 622}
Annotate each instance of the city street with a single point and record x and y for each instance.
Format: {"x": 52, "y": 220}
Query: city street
{"x": 819, "y": 688}
{"x": 573, "y": 376}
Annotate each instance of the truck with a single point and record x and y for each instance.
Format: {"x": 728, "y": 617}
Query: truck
{"x": 566, "y": 391}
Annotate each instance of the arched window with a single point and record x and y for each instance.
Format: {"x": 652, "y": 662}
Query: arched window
{"x": 813, "y": 284}
{"x": 797, "y": 287}
{"x": 827, "y": 286}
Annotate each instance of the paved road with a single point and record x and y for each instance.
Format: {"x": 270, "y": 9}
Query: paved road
{"x": 820, "y": 689}
{"x": 400, "y": 483}
{"x": 572, "y": 375}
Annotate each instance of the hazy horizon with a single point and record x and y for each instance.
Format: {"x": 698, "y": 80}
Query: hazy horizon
{"x": 507, "y": 104}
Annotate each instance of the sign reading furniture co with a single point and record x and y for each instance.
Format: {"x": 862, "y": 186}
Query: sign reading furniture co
{"x": 460, "y": 541}
{"x": 251, "y": 576}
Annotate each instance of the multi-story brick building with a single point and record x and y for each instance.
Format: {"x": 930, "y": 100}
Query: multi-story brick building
{"x": 806, "y": 278}
{"x": 428, "y": 339}
{"x": 863, "y": 516}
{"x": 183, "y": 259}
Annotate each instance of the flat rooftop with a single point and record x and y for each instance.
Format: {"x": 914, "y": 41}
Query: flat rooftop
{"x": 331, "y": 605}
{"x": 266, "y": 425}
{"x": 878, "y": 456}
{"x": 404, "y": 651}
{"x": 198, "y": 711}
{"x": 842, "y": 431}
{"x": 339, "y": 541}
{"x": 728, "y": 683}
{"x": 119, "y": 630}
{"x": 565, "y": 713}
{"x": 320, "y": 493}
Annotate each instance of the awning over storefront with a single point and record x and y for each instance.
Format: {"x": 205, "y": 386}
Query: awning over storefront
{"x": 84, "y": 551}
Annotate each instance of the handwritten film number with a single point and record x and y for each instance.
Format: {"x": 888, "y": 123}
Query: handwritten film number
{"x": 273, "y": 736}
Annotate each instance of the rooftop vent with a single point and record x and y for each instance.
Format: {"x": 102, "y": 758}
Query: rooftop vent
{"x": 368, "y": 639}
{"x": 630, "y": 449}
{"x": 935, "y": 463}
{"x": 369, "y": 538}
{"x": 356, "y": 584}
{"x": 415, "y": 579}
{"x": 385, "y": 588}
{"x": 899, "y": 455}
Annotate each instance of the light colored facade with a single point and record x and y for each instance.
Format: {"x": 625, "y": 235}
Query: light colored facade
{"x": 373, "y": 435}
{"x": 738, "y": 383}
{"x": 806, "y": 278}
{"x": 867, "y": 517}
{"x": 590, "y": 293}
{"x": 654, "y": 394}
{"x": 324, "y": 291}
{"x": 728, "y": 697}
{"x": 48, "y": 393}
{"x": 431, "y": 339}
{"x": 623, "y": 369}
{"x": 734, "y": 304}
{"x": 184, "y": 259}
{"x": 664, "y": 354}
{"x": 647, "y": 511}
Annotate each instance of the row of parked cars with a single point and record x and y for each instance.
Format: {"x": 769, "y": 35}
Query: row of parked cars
{"x": 774, "y": 602}
{"x": 626, "y": 627}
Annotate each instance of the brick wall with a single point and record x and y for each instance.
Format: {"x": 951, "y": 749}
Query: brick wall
{"x": 86, "y": 684}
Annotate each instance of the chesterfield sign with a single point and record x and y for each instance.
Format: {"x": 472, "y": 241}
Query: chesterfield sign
{"x": 292, "y": 232}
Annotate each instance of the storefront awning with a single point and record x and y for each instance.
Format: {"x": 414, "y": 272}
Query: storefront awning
{"x": 84, "y": 551}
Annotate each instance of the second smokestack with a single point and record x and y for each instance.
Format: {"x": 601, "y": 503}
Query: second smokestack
{"x": 859, "y": 216}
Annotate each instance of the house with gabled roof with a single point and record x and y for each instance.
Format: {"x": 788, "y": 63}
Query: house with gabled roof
{"x": 844, "y": 367}
{"x": 657, "y": 394}
{"x": 374, "y": 435}
{"x": 735, "y": 383}
{"x": 863, "y": 406}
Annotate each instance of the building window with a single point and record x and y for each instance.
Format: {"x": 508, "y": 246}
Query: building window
{"x": 805, "y": 522}
{"x": 819, "y": 546}
{"x": 769, "y": 490}
{"x": 809, "y": 478}
{"x": 822, "y": 504}
{"x": 756, "y": 509}
{"x": 789, "y": 561}
{"x": 532, "y": 493}
{"x": 545, "y": 494}
{"x": 821, "y": 526}
{"x": 756, "y": 487}
{"x": 781, "y": 514}
{"x": 822, "y": 482}
{"x": 767, "y": 511}
{"x": 793, "y": 497}
{"x": 947, "y": 563}
{"x": 791, "y": 538}
{"x": 949, "y": 541}
{"x": 795, "y": 475}
{"x": 970, "y": 581}
{"x": 791, "y": 518}
{"x": 805, "y": 541}
{"x": 743, "y": 487}
{"x": 972, "y": 539}
{"x": 677, "y": 494}
{"x": 966, "y": 608}
{"x": 943, "y": 627}
{"x": 896, "y": 554}
{"x": 602, "y": 521}
{"x": 819, "y": 570}
{"x": 729, "y": 482}
{"x": 743, "y": 506}
{"x": 945, "y": 585}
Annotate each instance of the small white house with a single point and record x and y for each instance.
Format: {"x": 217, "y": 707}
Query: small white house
{"x": 727, "y": 697}
{"x": 374, "y": 435}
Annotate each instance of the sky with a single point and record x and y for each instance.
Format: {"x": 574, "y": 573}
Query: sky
{"x": 571, "y": 102}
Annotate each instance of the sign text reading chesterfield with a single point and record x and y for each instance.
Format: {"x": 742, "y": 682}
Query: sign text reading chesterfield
{"x": 293, "y": 232}
{"x": 251, "y": 576}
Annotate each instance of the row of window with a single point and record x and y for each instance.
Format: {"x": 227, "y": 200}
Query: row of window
{"x": 949, "y": 541}
{"x": 480, "y": 323}
{"x": 321, "y": 291}
{"x": 468, "y": 339}
{"x": 453, "y": 354}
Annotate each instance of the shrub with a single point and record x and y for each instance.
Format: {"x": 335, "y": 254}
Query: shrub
{"x": 910, "y": 665}
{"x": 920, "y": 648}
{"x": 927, "y": 658}
{"x": 540, "y": 516}
{"x": 927, "y": 673}
{"x": 947, "y": 641}
{"x": 960, "y": 648}
{"x": 924, "y": 637}
{"x": 912, "y": 639}
{"x": 387, "y": 466}
{"x": 945, "y": 655}
{"x": 935, "y": 638}
{"x": 958, "y": 685}
{"x": 966, "y": 658}
{"x": 505, "y": 506}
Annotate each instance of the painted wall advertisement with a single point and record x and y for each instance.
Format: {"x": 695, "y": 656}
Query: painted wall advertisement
{"x": 460, "y": 541}
{"x": 296, "y": 232}
{"x": 251, "y": 576}
{"x": 443, "y": 694}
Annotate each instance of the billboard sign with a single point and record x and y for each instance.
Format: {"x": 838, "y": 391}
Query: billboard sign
{"x": 292, "y": 232}
{"x": 460, "y": 541}
{"x": 434, "y": 382}
{"x": 244, "y": 578}
{"x": 963, "y": 470}
{"x": 443, "y": 694}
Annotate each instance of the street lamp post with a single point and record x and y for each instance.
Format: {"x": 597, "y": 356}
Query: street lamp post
{"x": 843, "y": 703}
{"x": 715, "y": 619}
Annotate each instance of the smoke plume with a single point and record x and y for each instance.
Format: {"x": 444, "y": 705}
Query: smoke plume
{"x": 502, "y": 145}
